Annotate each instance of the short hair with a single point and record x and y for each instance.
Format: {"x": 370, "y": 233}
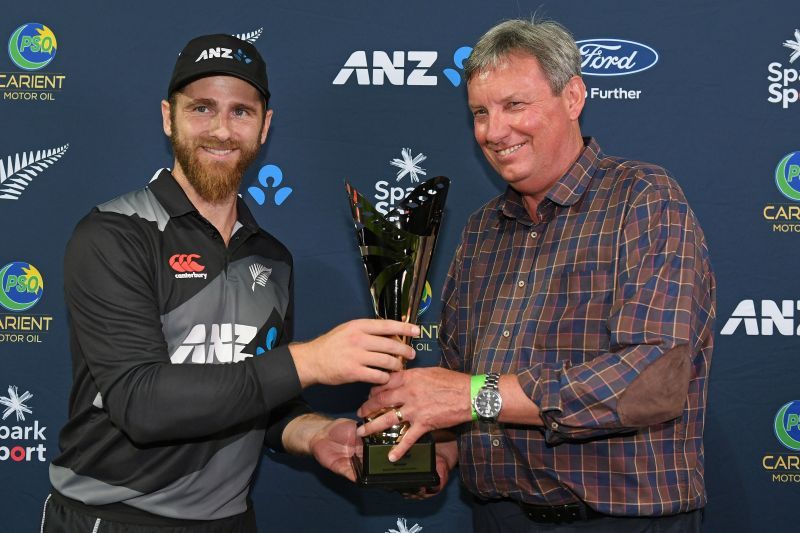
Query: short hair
{"x": 546, "y": 40}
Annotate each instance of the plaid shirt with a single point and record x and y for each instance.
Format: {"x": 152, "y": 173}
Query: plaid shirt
{"x": 604, "y": 310}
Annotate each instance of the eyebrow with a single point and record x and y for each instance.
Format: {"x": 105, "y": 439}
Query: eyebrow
{"x": 213, "y": 103}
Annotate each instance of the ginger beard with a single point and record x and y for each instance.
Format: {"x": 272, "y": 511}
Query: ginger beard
{"x": 214, "y": 181}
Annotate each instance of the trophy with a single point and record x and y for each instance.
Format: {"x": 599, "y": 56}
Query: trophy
{"x": 396, "y": 250}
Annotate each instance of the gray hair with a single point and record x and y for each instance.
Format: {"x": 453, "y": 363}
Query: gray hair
{"x": 548, "y": 41}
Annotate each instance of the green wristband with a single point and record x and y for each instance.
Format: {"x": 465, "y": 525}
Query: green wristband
{"x": 475, "y": 385}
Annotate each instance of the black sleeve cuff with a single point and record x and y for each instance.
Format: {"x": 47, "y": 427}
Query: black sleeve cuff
{"x": 277, "y": 376}
{"x": 280, "y": 418}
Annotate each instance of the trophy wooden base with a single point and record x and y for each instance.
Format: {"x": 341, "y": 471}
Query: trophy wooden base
{"x": 415, "y": 470}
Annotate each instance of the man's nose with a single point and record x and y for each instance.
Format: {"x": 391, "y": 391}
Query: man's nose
{"x": 220, "y": 127}
{"x": 496, "y": 128}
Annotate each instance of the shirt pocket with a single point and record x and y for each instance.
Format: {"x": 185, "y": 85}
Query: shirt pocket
{"x": 572, "y": 314}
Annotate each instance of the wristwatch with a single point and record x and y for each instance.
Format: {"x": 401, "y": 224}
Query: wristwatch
{"x": 487, "y": 402}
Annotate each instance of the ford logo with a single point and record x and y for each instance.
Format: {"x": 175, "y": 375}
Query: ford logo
{"x": 615, "y": 57}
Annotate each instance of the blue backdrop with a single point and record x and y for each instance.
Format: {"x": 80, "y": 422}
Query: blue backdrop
{"x": 706, "y": 88}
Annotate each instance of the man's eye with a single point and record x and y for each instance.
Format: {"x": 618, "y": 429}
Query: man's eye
{"x": 241, "y": 112}
{"x": 201, "y": 108}
{"x": 479, "y": 113}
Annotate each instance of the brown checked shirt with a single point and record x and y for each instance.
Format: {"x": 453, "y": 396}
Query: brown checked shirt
{"x": 605, "y": 312}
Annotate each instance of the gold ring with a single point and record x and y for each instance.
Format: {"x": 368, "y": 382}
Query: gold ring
{"x": 399, "y": 415}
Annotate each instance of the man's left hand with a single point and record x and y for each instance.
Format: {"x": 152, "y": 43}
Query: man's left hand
{"x": 426, "y": 398}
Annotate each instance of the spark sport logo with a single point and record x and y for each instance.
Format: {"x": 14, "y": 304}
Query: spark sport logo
{"x": 31, "y": 47}
{"x": 21, "y": 288}
{"x": 785, "y": 217}
{"x": 784, "y": 87}
{"x": 783, "y": 467}
{"x": 18, "y": 443}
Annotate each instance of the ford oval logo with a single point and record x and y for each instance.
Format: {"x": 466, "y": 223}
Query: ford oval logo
{"x": 615, "y": 57}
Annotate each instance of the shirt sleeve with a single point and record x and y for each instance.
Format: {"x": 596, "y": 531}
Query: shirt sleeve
{"x": 449, "y": 323}
{"x": 110, "y": 292}
{"x": 662, "y": 306}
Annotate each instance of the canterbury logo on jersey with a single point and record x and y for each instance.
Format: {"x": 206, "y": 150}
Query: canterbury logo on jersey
{"x": 187, "y": 265}
{"x": 218, "y": 343}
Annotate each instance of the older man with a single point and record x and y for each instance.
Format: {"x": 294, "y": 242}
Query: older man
{"x": 577, "y": 327}
{"x": 164, "y": 285}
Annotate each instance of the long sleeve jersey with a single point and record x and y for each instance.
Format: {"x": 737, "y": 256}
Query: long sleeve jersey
{"x": 181, "y": 370}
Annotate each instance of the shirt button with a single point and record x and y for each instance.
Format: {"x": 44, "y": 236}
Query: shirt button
{"x": 506, "y": 333}
{"x": 495, "y": 442}
{"x": 534, "y": 235}
{"x": 554, "y": 425}
{"x": 520, "y": 283}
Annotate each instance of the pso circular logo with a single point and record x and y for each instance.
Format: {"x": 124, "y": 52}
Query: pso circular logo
{"x": 787, "y": 425}
{"x": 787, "y": 176}
{"x": 32, "y": 46}
{"x": 427, "y": 298}
{"x": 21, "y": 286}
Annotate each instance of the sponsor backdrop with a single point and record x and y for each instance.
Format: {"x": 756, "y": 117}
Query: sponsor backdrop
{"x": 372, "y": 92}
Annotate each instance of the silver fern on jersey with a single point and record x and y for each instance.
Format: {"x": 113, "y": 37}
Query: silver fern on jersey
{"x": 260, "y": 275}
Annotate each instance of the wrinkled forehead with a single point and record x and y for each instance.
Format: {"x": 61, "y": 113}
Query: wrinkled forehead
{"x": 502, "y": 63}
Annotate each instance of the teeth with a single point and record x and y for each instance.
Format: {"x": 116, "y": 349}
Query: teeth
{"x": 219, "y": 152}
{"x": 510, "y": 150}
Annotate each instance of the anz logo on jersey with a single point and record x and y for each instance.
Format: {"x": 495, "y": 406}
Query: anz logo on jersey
{"x": 219, "y": 343}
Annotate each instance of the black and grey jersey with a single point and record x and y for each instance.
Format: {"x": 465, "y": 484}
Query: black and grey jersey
{"x": 181, "y": 369}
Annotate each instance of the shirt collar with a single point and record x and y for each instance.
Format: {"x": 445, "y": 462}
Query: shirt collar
{"x": 566, "y": 191}
{"x": 170, "y": 194}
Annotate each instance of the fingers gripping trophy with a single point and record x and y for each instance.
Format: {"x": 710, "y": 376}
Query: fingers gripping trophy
{"x": 396, "y": 250}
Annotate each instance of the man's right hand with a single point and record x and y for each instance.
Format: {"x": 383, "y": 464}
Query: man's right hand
{"x": 359, "y": 350}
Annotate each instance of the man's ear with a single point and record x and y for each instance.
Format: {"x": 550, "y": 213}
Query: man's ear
{"x": 265, "y": 128}
{"x": 166, "y": 122}
{"x": 575, "y": 97}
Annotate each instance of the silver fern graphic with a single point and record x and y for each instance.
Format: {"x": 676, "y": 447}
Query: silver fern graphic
{"x": 260, "y": 275}
{"x": 17, "y": 173}
{"x": 251, "y": 36}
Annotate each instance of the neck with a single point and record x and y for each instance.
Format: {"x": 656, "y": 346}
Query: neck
{"x": 571, "y": 152}
{"x": 221, "y": 215}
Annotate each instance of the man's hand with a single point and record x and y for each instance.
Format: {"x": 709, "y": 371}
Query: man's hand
{"x": 331, "y": 442}
{"x": 427, "y": 398}
{"x": 359, "y": 350}
{"x": 446, "y": 460}
{"x": 334, "y": 445}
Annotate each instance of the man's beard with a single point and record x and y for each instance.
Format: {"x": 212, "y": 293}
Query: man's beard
{"x": 214, "y": 181}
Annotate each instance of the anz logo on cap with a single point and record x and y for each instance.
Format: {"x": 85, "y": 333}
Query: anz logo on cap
{"x": 224, "y": 53}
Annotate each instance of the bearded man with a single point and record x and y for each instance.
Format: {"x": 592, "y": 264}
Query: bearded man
{"x": 171, "y": 290}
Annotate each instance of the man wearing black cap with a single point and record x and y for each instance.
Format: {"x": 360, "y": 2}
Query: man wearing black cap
{"x": 163, "y": 285}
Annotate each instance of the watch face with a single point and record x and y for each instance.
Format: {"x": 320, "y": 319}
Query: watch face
{"x": 488, "y": 403}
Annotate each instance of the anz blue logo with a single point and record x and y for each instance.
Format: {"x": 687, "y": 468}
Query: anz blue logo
{"x": 399, "y": 67}
{"x": 270, "y": 177}
{"x": 459, "y": 57}
{"x": 615, "y": 57}
{"x": 269, "y": 342}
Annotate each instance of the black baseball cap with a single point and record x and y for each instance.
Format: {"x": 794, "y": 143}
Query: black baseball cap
{"x": 209, "y": 55}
